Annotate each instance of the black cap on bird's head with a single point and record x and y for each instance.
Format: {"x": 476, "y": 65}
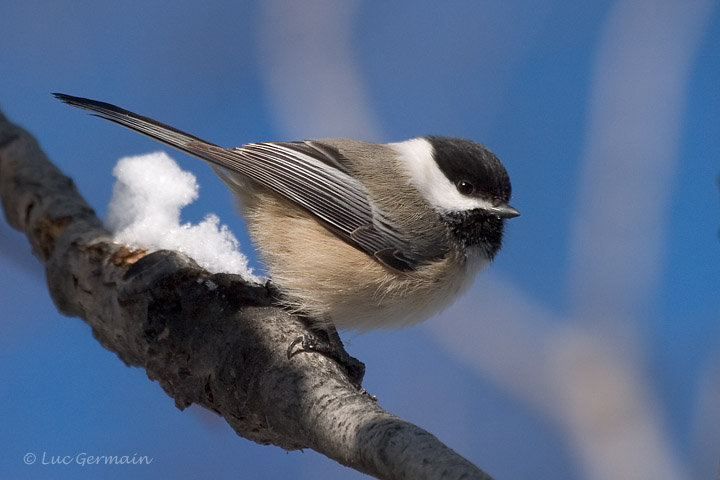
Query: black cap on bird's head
{"x": 475, "y": 171}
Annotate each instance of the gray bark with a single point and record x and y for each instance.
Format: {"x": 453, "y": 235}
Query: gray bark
{"x": 210, "y": 339}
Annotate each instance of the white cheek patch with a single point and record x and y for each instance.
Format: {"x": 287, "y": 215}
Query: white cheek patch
{"x": 416, "y": 157}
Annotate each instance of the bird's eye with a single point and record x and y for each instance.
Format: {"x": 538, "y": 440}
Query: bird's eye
{"x": 465, "y": 187}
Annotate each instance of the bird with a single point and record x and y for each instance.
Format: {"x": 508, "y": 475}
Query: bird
{"x": 357, "y": 235}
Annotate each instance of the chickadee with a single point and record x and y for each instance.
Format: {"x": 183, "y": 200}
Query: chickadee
{"x": 353, "y": 233}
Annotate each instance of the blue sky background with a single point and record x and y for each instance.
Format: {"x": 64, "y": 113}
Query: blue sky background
{"x": 590, "y": 349}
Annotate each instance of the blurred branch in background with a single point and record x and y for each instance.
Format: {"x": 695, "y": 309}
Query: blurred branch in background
{"x": 214, "y": 340}
{"x": 586, "y": 371}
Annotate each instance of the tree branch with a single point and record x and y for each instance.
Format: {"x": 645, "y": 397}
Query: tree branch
{"x": 211, "y": 339}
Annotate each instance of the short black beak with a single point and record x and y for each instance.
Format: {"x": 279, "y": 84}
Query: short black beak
{"x": 503, "y": 211}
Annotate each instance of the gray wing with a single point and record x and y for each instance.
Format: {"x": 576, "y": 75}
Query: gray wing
{"x": 311, "y": 174}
